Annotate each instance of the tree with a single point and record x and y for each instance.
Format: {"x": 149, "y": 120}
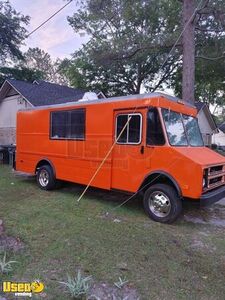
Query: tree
{"x": 38, "y": 60}
{"x": 204, "y": 35}
{"x": 129, "y": 41}
{"x": 188, "y": 44}
{"x": 209, "y": 81}
{"x": 203, "y": 71}
{"x": 12, "y": 32}
{"x": 19, "y": 73}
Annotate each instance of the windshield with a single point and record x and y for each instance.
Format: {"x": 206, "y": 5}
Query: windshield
{"x": 182, "y": 130}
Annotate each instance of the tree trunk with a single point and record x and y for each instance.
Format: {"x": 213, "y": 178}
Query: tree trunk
{"x": 188, "y": 75}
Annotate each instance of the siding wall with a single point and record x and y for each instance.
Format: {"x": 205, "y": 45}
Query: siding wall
{"x": 219, "y": 138}
{"x": 8, "y": 110}
{"x": 205, "y": 128}
{"x": 7, "y": 136}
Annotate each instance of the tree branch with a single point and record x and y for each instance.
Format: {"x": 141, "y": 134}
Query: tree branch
{"x": 165, "y": 76}
{"x": 154, "y": 47}
{"x": 209, "y": 30}
{"x": 210, "y": 58}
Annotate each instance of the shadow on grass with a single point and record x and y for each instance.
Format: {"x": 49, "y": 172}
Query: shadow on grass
{"x": 111, "y": 200}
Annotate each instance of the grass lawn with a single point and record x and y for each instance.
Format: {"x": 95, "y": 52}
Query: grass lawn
{"x": 181, "y": 261}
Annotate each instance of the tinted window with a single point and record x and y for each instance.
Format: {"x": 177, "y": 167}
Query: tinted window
{"x": 77, "y": 124}
{"x": 59, "y": 123}
{"x": 134, "y": 129}
{"x": 121, "y": 122}
{"x": 129, "y": 126}
{"x": 68, "y": 124}
{"x": 155, "y": 134}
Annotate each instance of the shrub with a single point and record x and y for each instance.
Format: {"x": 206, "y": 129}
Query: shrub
{"x": 6, "y": 266}
{"x": 78, "y": 286}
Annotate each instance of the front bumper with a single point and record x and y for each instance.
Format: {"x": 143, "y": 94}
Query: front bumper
{"x": 212, "y": 196}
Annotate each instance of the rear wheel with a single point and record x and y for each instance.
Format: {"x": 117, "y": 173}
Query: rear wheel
{"x": 162, "y": 203}
{"x": 45, "y": 178}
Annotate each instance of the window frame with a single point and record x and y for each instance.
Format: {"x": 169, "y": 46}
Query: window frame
{"x": 162, "y": 126}
{"x": 140, "y": 133}
{"x": 69, "y": 123}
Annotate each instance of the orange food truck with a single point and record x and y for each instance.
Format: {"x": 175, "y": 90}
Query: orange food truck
{"x": 150, "y": 144}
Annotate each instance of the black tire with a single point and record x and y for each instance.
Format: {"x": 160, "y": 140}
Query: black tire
{"x": 162, "y": 203}
{"x": 45, "y": 178}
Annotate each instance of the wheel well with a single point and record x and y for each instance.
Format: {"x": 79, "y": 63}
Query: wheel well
{"x": 44, "y": 162}
{"x": 159, "y": 178}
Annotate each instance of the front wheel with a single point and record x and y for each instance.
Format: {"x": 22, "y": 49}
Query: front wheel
{"x": 45, "y": 178}
{"x": 162, "y": 203}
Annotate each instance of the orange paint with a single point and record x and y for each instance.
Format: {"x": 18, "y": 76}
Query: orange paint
{"x": 126, "y": 167}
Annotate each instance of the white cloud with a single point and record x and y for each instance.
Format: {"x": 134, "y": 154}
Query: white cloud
{"x": 56, "y": 37}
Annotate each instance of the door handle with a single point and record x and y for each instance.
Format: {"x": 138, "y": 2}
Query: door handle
{"x": 142, "y": 149}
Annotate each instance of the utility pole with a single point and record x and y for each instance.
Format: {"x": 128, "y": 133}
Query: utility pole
{"x": 188, "y": 74}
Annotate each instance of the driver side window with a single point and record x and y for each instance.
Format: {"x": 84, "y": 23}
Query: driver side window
{"x": 155, "y": 135}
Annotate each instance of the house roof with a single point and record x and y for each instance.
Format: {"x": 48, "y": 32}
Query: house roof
{"x": 199, "y": 105}
{"x": 202, "y": 106}
{"x": 40, "y": 93}
{"x": 222, "y": 127}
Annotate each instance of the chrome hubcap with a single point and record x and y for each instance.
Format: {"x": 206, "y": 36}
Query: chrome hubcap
{"x": 43, "y": 178}
{"x": 159, "y": 204}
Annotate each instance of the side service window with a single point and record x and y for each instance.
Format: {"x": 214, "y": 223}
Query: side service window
{"x": 68, "y": 124}
{"x": 131, "y": 134}
{"x": 155, "y": 134}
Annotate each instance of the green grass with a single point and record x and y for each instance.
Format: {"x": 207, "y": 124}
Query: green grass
{"x": 180, "y": 261}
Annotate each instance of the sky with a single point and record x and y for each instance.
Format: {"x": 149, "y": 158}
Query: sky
{"x": 57, "y": 36}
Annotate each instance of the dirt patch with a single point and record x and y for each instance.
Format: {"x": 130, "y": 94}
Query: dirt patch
{"x": 9, "y": 243}
{"x": 200, "y": 245}
{"x": 106, "y": 291}
{"x": 214, "y": 215}
{"x": 22, "y": 175}
{"x": 113, "y": 218}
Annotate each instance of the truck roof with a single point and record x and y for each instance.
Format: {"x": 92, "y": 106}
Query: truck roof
{"x": 115, "y": 99}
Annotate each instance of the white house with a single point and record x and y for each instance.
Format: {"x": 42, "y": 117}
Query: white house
{"x": 206, "y": 123}
{"x": 15, "y": 95}
{"x": 219, "y": 138}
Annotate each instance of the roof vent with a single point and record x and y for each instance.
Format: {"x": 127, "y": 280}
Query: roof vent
{"x": 89, "y": 96}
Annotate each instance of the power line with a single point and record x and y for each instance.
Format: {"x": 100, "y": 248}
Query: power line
{"x": 111, "y": 148}
{"x": 52, "y": 16}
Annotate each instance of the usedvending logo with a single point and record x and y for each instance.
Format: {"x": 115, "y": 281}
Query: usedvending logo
{"x": 25, "y": 289}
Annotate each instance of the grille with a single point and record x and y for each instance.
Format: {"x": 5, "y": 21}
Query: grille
{"x": 215, "y": 169}
{"x": 215, "y": 176}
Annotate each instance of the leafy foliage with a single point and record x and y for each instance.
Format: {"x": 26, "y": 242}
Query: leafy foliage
{"x": 20, "y": 73}
{"x": 12, "y": 31}
{"x": 120, "y": 283}
{"x": 35, "y": 65}
{"x": 209, "y": 84}
{"x": 40, "y": 61}
{"x": 210, "y": 54}
{"x": 129, "y": 40}
{"x": 6, "y": 266}
{"x": 78, "y": 286}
